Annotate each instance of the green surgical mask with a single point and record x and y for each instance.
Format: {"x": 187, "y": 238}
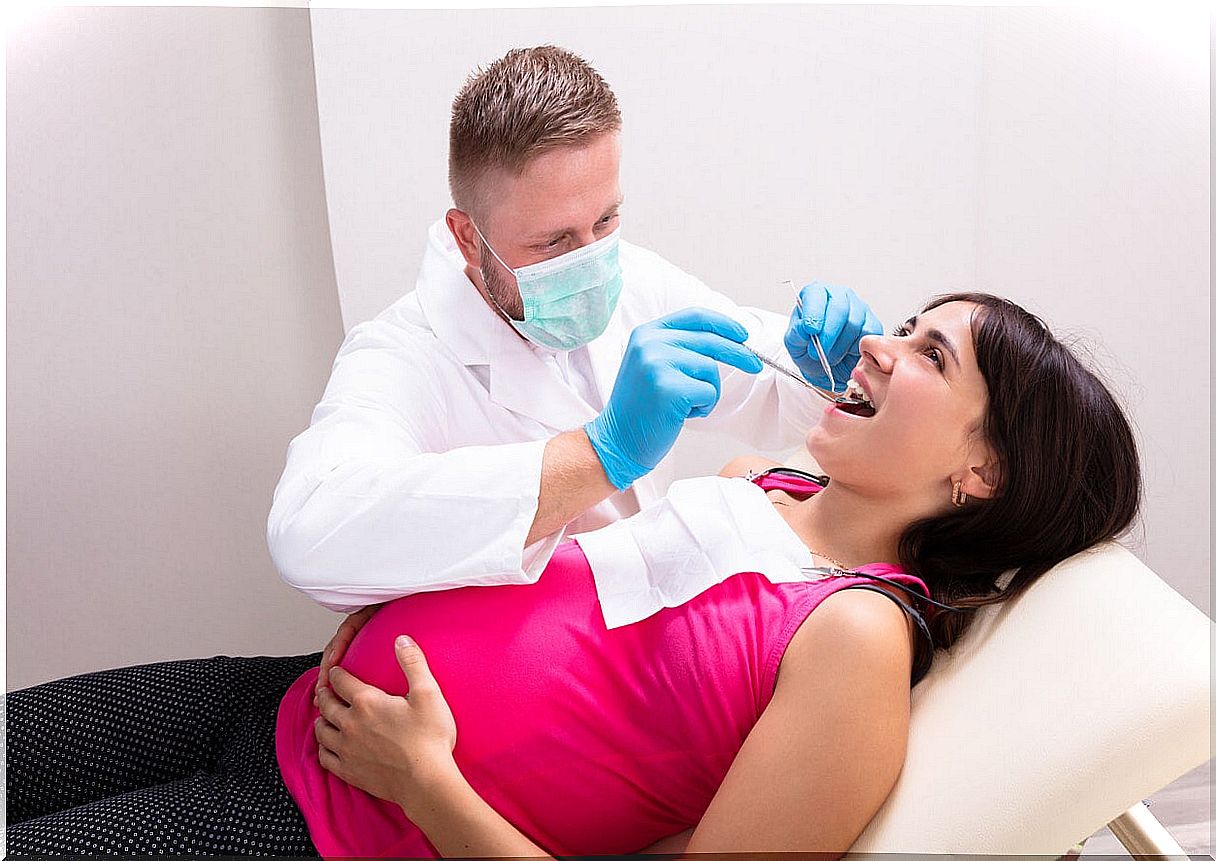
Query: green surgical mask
{"x": 569, "y": 299}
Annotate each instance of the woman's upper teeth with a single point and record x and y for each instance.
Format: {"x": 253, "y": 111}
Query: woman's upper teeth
{"x": 854, "y": 390}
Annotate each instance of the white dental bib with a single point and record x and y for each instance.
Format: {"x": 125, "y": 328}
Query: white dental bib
{"x": 702, "y": 532}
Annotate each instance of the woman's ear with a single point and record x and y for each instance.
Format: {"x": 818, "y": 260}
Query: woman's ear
{"x": 982, "y": 481}
{"x": 980, "y": 477}
{"x": 461, "y": 226}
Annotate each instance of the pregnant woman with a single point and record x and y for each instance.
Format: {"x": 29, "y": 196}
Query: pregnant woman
{"x": 755, "y": 707}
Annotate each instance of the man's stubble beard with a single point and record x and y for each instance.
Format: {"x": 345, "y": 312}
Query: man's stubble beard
{"x": 500, "y": 290}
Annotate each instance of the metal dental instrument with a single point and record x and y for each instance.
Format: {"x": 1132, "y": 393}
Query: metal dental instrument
{"x": 831, "y": 397}
{"x": 823, "y": 358}
{"x": 780, "y": 369}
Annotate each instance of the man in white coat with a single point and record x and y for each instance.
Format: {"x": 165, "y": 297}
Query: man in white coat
{"x": 531, "y": 384}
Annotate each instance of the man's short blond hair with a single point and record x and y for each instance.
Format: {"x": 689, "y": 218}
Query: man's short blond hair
{"x": 527, "y": 102}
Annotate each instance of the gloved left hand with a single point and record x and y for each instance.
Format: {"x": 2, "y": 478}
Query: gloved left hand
{"x": 840, "y": 318}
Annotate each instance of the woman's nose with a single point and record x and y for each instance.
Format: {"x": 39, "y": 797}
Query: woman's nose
{"x": 877, "y": 351}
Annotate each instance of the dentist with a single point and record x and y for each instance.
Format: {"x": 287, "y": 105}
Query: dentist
{"x": 531, "y": 384}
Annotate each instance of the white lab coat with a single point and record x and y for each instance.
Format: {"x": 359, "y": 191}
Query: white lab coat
{"x": 420, "y": 469}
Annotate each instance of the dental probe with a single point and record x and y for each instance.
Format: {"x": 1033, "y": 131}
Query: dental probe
{"x": 831, "y": 398}
{"x": 823, "y": 358}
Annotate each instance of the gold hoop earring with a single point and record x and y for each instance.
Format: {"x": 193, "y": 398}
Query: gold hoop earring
{"x": 958, "y": 497}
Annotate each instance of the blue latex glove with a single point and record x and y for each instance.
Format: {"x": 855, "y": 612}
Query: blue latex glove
{"x": 840, "y": 319}
{"x": 669, "y": 374}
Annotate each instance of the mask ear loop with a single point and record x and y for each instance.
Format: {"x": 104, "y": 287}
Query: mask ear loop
{"x": 489, "y": 292}
{"x": 487, "y": 244}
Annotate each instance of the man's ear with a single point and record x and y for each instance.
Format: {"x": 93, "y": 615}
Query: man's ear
{"x": 461, "y": 227}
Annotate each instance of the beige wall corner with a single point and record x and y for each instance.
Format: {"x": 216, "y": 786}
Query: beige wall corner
{"x": 172, "y": 314}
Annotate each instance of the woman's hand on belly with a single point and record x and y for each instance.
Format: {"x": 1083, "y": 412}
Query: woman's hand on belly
{"x": 395, "y": 748}
{"x": 336, "y": 647}
{"x": 400, "y": 749}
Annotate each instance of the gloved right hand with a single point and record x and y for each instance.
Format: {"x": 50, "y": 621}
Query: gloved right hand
{"x": 669, "y": 374}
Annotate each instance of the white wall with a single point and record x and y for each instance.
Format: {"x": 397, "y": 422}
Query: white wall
{"x": 819, "y": 142}
{"x": 1095, "y": 174}
{"x": 172, "y": 316}
{"x": 1057, "y": 156}
{"x": 173, "y": 305}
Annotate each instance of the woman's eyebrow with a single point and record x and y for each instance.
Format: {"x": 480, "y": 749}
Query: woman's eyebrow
{"x": 936, "y": 336}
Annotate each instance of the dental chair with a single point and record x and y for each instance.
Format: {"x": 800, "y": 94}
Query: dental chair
{"x": 1055, "y": 714}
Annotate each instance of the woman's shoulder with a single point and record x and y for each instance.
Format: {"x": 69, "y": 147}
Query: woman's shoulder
{"x": 853, "y": 630}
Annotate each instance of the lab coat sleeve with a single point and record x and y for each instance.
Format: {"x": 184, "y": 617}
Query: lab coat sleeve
{"x": 766, "y": 411}
{"x": 370, "y": 508}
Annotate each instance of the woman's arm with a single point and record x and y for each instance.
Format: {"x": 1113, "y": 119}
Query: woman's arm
{"x": 827, "y": 751}
{"x": 812, "y": 772}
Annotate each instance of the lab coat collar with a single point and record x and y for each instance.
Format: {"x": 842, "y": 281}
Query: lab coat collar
{"x": 458, "y": 315}
{"x": 520, "y": 381}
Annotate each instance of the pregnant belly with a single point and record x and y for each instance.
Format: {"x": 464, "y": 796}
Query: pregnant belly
{"x": 539, "y": 704}
{"x": 479, "y": 638}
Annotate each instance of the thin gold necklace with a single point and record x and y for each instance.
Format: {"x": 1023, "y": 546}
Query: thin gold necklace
{"x": 836, "y": 562}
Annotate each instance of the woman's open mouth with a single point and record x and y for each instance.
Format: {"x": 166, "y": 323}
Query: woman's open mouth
{"x": 861, "y": 405}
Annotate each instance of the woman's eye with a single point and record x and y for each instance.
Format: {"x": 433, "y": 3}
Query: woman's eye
{"x": 934, "y": 354}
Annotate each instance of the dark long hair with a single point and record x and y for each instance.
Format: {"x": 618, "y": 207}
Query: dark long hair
{"x": 1068, "y": 471}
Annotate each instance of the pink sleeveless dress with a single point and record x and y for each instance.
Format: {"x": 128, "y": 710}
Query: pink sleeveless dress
{"x": 590, "y": 741}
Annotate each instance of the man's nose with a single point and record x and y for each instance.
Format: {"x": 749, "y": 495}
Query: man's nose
{"x": 584, "y": 237}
